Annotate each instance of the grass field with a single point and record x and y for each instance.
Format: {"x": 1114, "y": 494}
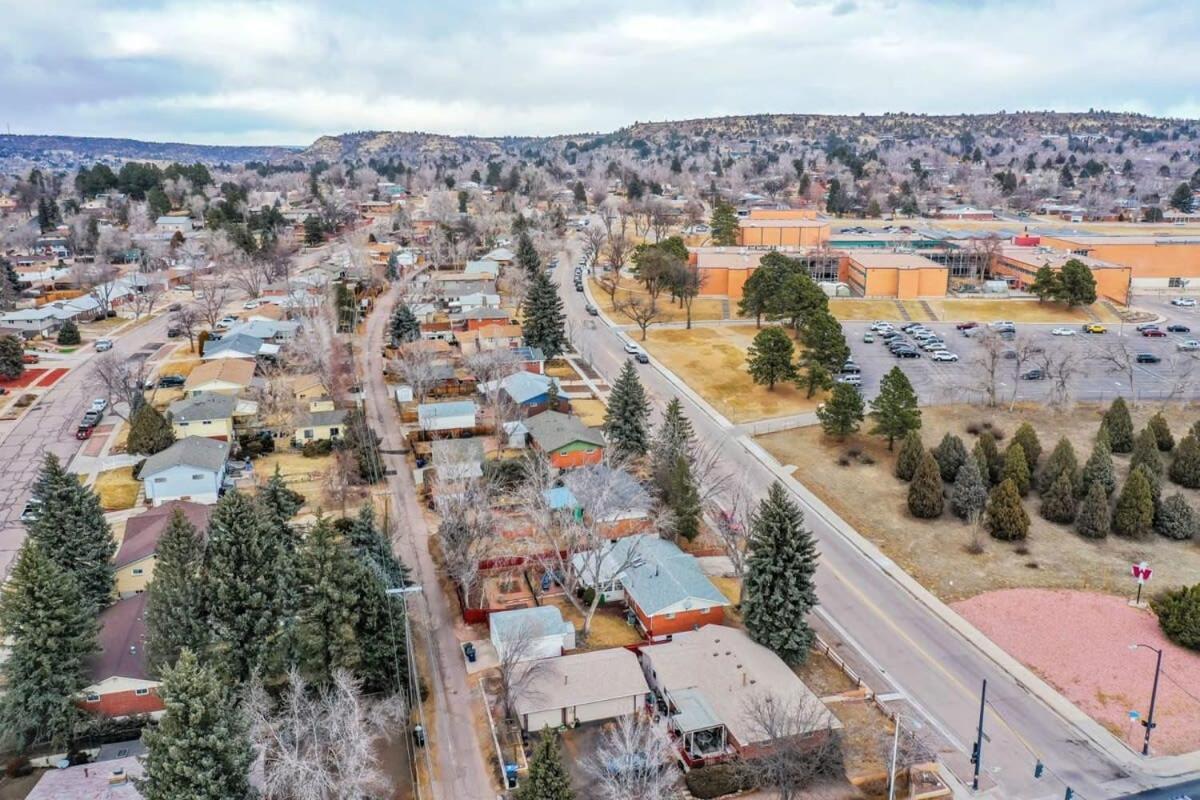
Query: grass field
{"x": 712, "y": 361}
{"x": 703, "y": 308}
{"x": 590, "y": 412}
{"x": 935, "y": 552}
{"x": 117, "y": 489}
{"x": 609, "y": 628}
{"x": 857, "y": 309}
{"x": 304, "y": 475}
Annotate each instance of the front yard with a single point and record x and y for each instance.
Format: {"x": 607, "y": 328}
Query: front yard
{"x": 117, "y": 489}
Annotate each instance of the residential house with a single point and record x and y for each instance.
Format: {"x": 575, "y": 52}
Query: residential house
{"x": 452, "y": 417}
{"x": 667, "y": 590}
{"x": 449, "y": 286}
{"x": 495, "y": 337}
{"x": 483, "y": 316}
{"x": 458, "y": 459}
{"x": 191, "y": 469}
{"x": 229, "y": 376}
{"x": 266, "y": 330}
{"x": 31, "y": 322}
{"x": 111, "y": 780}
{"x": 531, "y": 359}
{"x": 308, "y": 387}
{"x": 502, "y": 256}
{"x": 323, "y": 424}
{"x": 710, "y": 679}
{"x": 469, "y": 302}
{"x": 208, "y": 415}
{"x": 133, "y": 565}
{"x": 121, "y": 685}
{"x": 565, "y": 440}
{"x": 579, "y": 688}
{"x": 171, "y": 223}
{"x": 484, "y": 268}
{"x": 527, "y": 634}
{"x": 529, "y": 392}
{"x": 239, "y": 345}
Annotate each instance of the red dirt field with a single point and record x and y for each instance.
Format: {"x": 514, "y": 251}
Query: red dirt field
{"x": 1079, "y": 643}
{"x": 51, "y": 377}
{"x": 27, "y": 378}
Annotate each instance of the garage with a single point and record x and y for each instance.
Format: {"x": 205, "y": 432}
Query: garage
{"x": 564, "y": 690}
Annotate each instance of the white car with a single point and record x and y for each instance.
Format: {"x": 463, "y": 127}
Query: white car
{"x": 933, "y": 345}
{"x": 99, "y": 404}
{"x": 1184, "y": 302}
{"x": 1190, "y": 346}
{"x": 879, "y": 326}
{"x": 852, "y": 380}
{"x": 103, "y": 345}
{"x": 226, "y": 322}
{"x": 943, "y": 355}
{"x": 1063, "y": 332}
{"x": 250, "y": 305}
{"x": 632, "y": 348}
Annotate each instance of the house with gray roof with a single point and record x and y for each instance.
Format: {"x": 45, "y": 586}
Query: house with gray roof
{"x": 457, "y": 415}
{"x": 327, "y": 424}
{"x": 238, "y": 345}
{"x": 267, "y": 330}
{"x": 531, "y": 633}
{"x": 565, "y": 440}
{"x": 208, "y": 415}
{"x": 191, "y": 469}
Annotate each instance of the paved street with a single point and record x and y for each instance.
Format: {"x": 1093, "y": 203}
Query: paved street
{"x": 924, "y": 658}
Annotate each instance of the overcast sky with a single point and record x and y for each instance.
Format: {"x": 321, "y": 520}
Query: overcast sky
{"x": 286, "y": 72}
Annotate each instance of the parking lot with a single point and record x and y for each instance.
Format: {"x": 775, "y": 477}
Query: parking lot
{"x": 1097, "y": 361}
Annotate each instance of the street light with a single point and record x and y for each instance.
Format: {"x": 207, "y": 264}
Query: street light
{"x": 1149, "y": 721}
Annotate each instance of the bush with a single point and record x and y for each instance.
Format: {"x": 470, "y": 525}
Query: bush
{"x": 1119, "y": 426}
{"x": 950, "y": 455}
{"x": 1134, "y": 514}
{"x": 843, "y": 461}
{"x": 925, "y": 499}
{"x": 1027, "y": 437}
{"x": 1162, "y": 432}
{"x": 1175, "y": 519}
{"x": 1178, "y": 613}
{"x": 1091, "y": 521}
{"x": 68, "y": 334}
{"x": 316, "y": 449}
{"x": 717, "y": 780}
{"x": 866, "y": 458}
{"x": 909, "y": 457}
{"x": 998, "y": 434}
{"x": 1058, "y": 504}
{"x": 973, "y": 429}
{"x": 1016, "y": 468}
{"x": 1185, "y": 467}
{"x": 1006, "y": 517}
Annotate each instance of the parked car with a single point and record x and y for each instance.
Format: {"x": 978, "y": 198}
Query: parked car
{"x": 1154, "y": 333}
{"x": 1094, "y": 328}
{"x": 1009, "y": 354}
{"x": 174, "y": 332}
{"x": 966, "y": 326}
{"x": 879, "y": 326}
{"x": 1190, "y": 346}
{"x": 631, "y": 347}
{"x": 850, "y": 368}
{"x": 933, "y": 345}
{"x": 226, "y": 322}
{"x": 84, "y": 432}
{"x": 175, "y": 307}
{"x": 579, "y": 287}
{"x": 171, "y": 381}
{"x": 1147, "y": 358}
{"x": 1063, "y": 332}
{"x": 1003, "y": 324}
{"x": 943, "y": 355}
{"x": 591, "y": 310}
{"x": 851, "y": 380}
{"x": 91, "y": 419}
{"x": 30, "y": 512}
{"x": 868, "y": 337}
{"x": 100, "y": 404}
{"x": 641, "y": 357}
{"x": 901, "y": 345}
{"x": 1145, "y": 326}
{"x": 250, "y": 305}
{"x": 30, "y": 358}
{"x": 1033, "y": 375}
{"x": 1008, "y": 335}
{"x": 910, "y": 326}
{"x": 1177, "y": 328}
{"x": 907, "y": 354}
{"x": 1184, "y": 302}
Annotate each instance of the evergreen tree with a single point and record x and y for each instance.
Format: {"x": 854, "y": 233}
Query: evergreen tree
{"x": 314, "y": 231}
{"x": 1058, "y": 504}
{"x": 1134, "y": 514}
{"x": 987, "y": 457}
{"x": 1061, "y": 460}
{"x": 1027, "y": 437}
{"x": 951, "y": 454}
{"x": 71, "y": 528}
{"x": 1006, "y": 517}
{"x": 895, "y": 410}
{"x": 12, "y": 353}
{"x": 380, "y": 628}
{"x": 527, "y": 255}
{"x": 1076, "y": 284}
{"x": 1045, "y": 284}
{"x": 1099, "y": 468}
{"x": 1092, "y": 520}
{"x": 1162, "y": 432}
{"x": 1145, "y": 451}
{"x": 1175, "y": 519}
{"x": 1119, "y": 426}
{"x": 68, "y": 334}
{"x": 149, "y": 431}
{"x": 50, "y": 633}
{"x": 362, "y": 440}
{"x": 925, "y": 500}
{"x": 1185, "y": 466}
{"x": 543, "y": 319}
{"x": 175, "y": 613}
{"x": 779, "y": 589}
{"x": 326, "y": 617}
{"x": 1178, "y": 612}
{"x": 372, "y": 547}
{"x": 912, "y": 452}
{"x": 200, "y": 748}
{"x": 673, "y": 438}
{"x": 404, "y": 325}
{"x": 969, "y": 494}
{"x": 724, "y": 224}
{"x": 842, "y": 414}
{"x": 1015, "y": 468}
{"x": 280, "y": 504}
{"x": 626, "y": 419}
{"x": 769, "y": 358}
{"x": 245, "y": 589}
{"x": 547, "y": 778}
{"x": 683, "y": 497}
{"x": 1154, "y": 481}
{"x": 825, "y": 349}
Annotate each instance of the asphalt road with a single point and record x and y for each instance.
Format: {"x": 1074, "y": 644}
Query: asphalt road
{"x": 927, "y": 661}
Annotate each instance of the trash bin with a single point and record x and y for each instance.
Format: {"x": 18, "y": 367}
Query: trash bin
{"x": 418, "y": 735}
{"x": 469, "y": 649}
{"x": 510, "y": 775}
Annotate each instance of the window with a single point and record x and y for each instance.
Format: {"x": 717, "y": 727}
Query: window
{"x": 1175, "y": 283}
{"x": 333, "y": 432}
{"x": 141, "y": 692}
{"x": 160, "y": 480}
{"x": 206, "y": 422}
{"x": 671, "y": 615}
{"x": 308, "y": 434}
{"x": 197, "y": 477}
{"x": 138, "y": 571}
{"x": 93, "y": 698}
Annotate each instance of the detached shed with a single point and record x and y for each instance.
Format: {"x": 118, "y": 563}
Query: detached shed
{"x": 541, "y": 632}
{"x": 586, "y": 687}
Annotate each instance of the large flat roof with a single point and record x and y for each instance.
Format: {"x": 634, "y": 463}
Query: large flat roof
{"x": 1128, "y": 240}
{"x": 886, "y": 260}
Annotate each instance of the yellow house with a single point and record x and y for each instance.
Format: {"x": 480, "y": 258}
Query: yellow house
{"x": 230, "y": 376}
{"x": 207, "y": 415}
{"x": 134, "y": 562}
{"x": 320, "y": 426}
{"x": 308, "y": 387}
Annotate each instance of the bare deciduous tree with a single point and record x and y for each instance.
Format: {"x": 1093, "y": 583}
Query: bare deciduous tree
{"x": 143, "y": 302}
{"x": 417, "y": 365}
{"x": 187, "y": 319}
{"x": 1119, "y": 358}
{"x": 642, "y": 309}
{"x": 594, "y": 238}
{"x": 212, "y": 295}
{"x": 732, "y": 524}
{"x": 795, "y": 746}
{"x": 985, "y": 366}
{"x": 122, "y": 379}
{"x": 519, "y": 663}
{"x": 467, "y": 530}
{"x": 634, "y": 761}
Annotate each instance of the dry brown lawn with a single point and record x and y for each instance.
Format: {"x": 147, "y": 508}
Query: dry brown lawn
{"x": 304, "y": 475}
{"x": 862, "y": 308}
{"x": 590, "y": 412}
{"x": 935, "y": 552}
{"x": 713, "y": 362}
{"x": 1016, "y": 310}
{"x": 703, "y": 308}
{"x": 117, "y": 489}
{"x": 561, "y": 368}
{"x": 609, "y": 628}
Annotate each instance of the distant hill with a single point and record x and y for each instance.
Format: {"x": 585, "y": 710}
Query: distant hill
{"x": 73, "y": 150}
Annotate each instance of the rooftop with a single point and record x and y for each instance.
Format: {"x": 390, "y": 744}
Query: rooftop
{"x": 538, "y": 622}
{"x": 206, "y": 406}
{"x": 191, "y": 451}
{"x": 553, "y": 430}
{"x": 90, "y": 782}
{"x": 582, "y": 678}
{"x": 227, "y": 370}
{"x": 143, "y": 532}
{"x": 122, "y": 641}
{"x": 892, "y": 260}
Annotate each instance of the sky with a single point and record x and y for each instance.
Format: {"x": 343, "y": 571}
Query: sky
{"x": 283, "y": 72}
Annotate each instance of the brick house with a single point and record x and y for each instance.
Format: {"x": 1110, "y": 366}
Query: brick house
{"x": 121, "y": 685}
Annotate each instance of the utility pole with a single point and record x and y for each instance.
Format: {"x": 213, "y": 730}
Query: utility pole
{"x": 892, "y": 771}
{"x": 977, "y": 755}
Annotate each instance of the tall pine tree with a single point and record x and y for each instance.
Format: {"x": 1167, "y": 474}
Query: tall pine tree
{"x": 683, "y": 497}
{"x": 380, "y": 630}
{"x": 895, "y": 409}
{"x": 326, "y": 617}
{"x": 404, "y": 326}
{"x": 673, "y": 437}
{"x": 543, "y": 322}
{"x": 1119, "y": 426}
{"x": 149, "y": 431}
{"x": 779, "y": 588}
{"x": 200, "y": 749}
{"x": 175, "y": 597}
{"x": 50, "y": 632}
{"x": 527, "y": 255}
{"x": 548, "y": 778}
{"x": 71, "y": 528}
{"x": 627, "y": 416}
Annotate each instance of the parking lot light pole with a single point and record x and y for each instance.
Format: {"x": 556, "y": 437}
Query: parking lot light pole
{"x": 1148, "y": 722}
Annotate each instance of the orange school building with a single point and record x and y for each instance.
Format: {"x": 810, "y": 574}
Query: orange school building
{"x": 787, "y": 228}
{"x": 1020, "y": 264}
{"x": 1155, "y": 262}
{"x": 900, "y": 275}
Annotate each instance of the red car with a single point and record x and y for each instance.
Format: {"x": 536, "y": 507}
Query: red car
{"x": 966, "y": 326}
{"x": 1154, "y": 333}
{"x": 30, "y": 358}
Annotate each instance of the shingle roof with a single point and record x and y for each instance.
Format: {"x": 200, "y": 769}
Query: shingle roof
{"x": 143, "y": 532}
{"x": 580, "y": 679}
{"x": 662, "y": 576}
{"x": 238, "y": 342}
{"x": 318, "y": 419}
{"x": 458, "y": 408}
{"x": 192, "y": 451}
{"x": 552, "y": 431}
{"x": 606, "y": 492}
{"x": 206, "y": 406}
{"x": 540, "y": 621}
{"x": 90, "y": 782}
{"x": 228, "y": 370}
{"x": 522, "y": 386}
{"x": 122, "y": 641}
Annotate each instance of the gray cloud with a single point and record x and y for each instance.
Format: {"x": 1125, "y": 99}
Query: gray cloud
{"x": 286, "y": 72}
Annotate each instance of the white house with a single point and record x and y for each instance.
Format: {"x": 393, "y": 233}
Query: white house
{"x": 475, "y": 300}
{"x": 539, "y": 633}
{"x": 174, "y": 224}
{"x": 191, "y": 469}
{"x": 454, "y": 416}
{"x": 32, "y": 321}
{"x": 586, "y": 687}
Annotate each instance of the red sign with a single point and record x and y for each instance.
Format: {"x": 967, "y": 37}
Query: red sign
{"x": 1141, "y": 571}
